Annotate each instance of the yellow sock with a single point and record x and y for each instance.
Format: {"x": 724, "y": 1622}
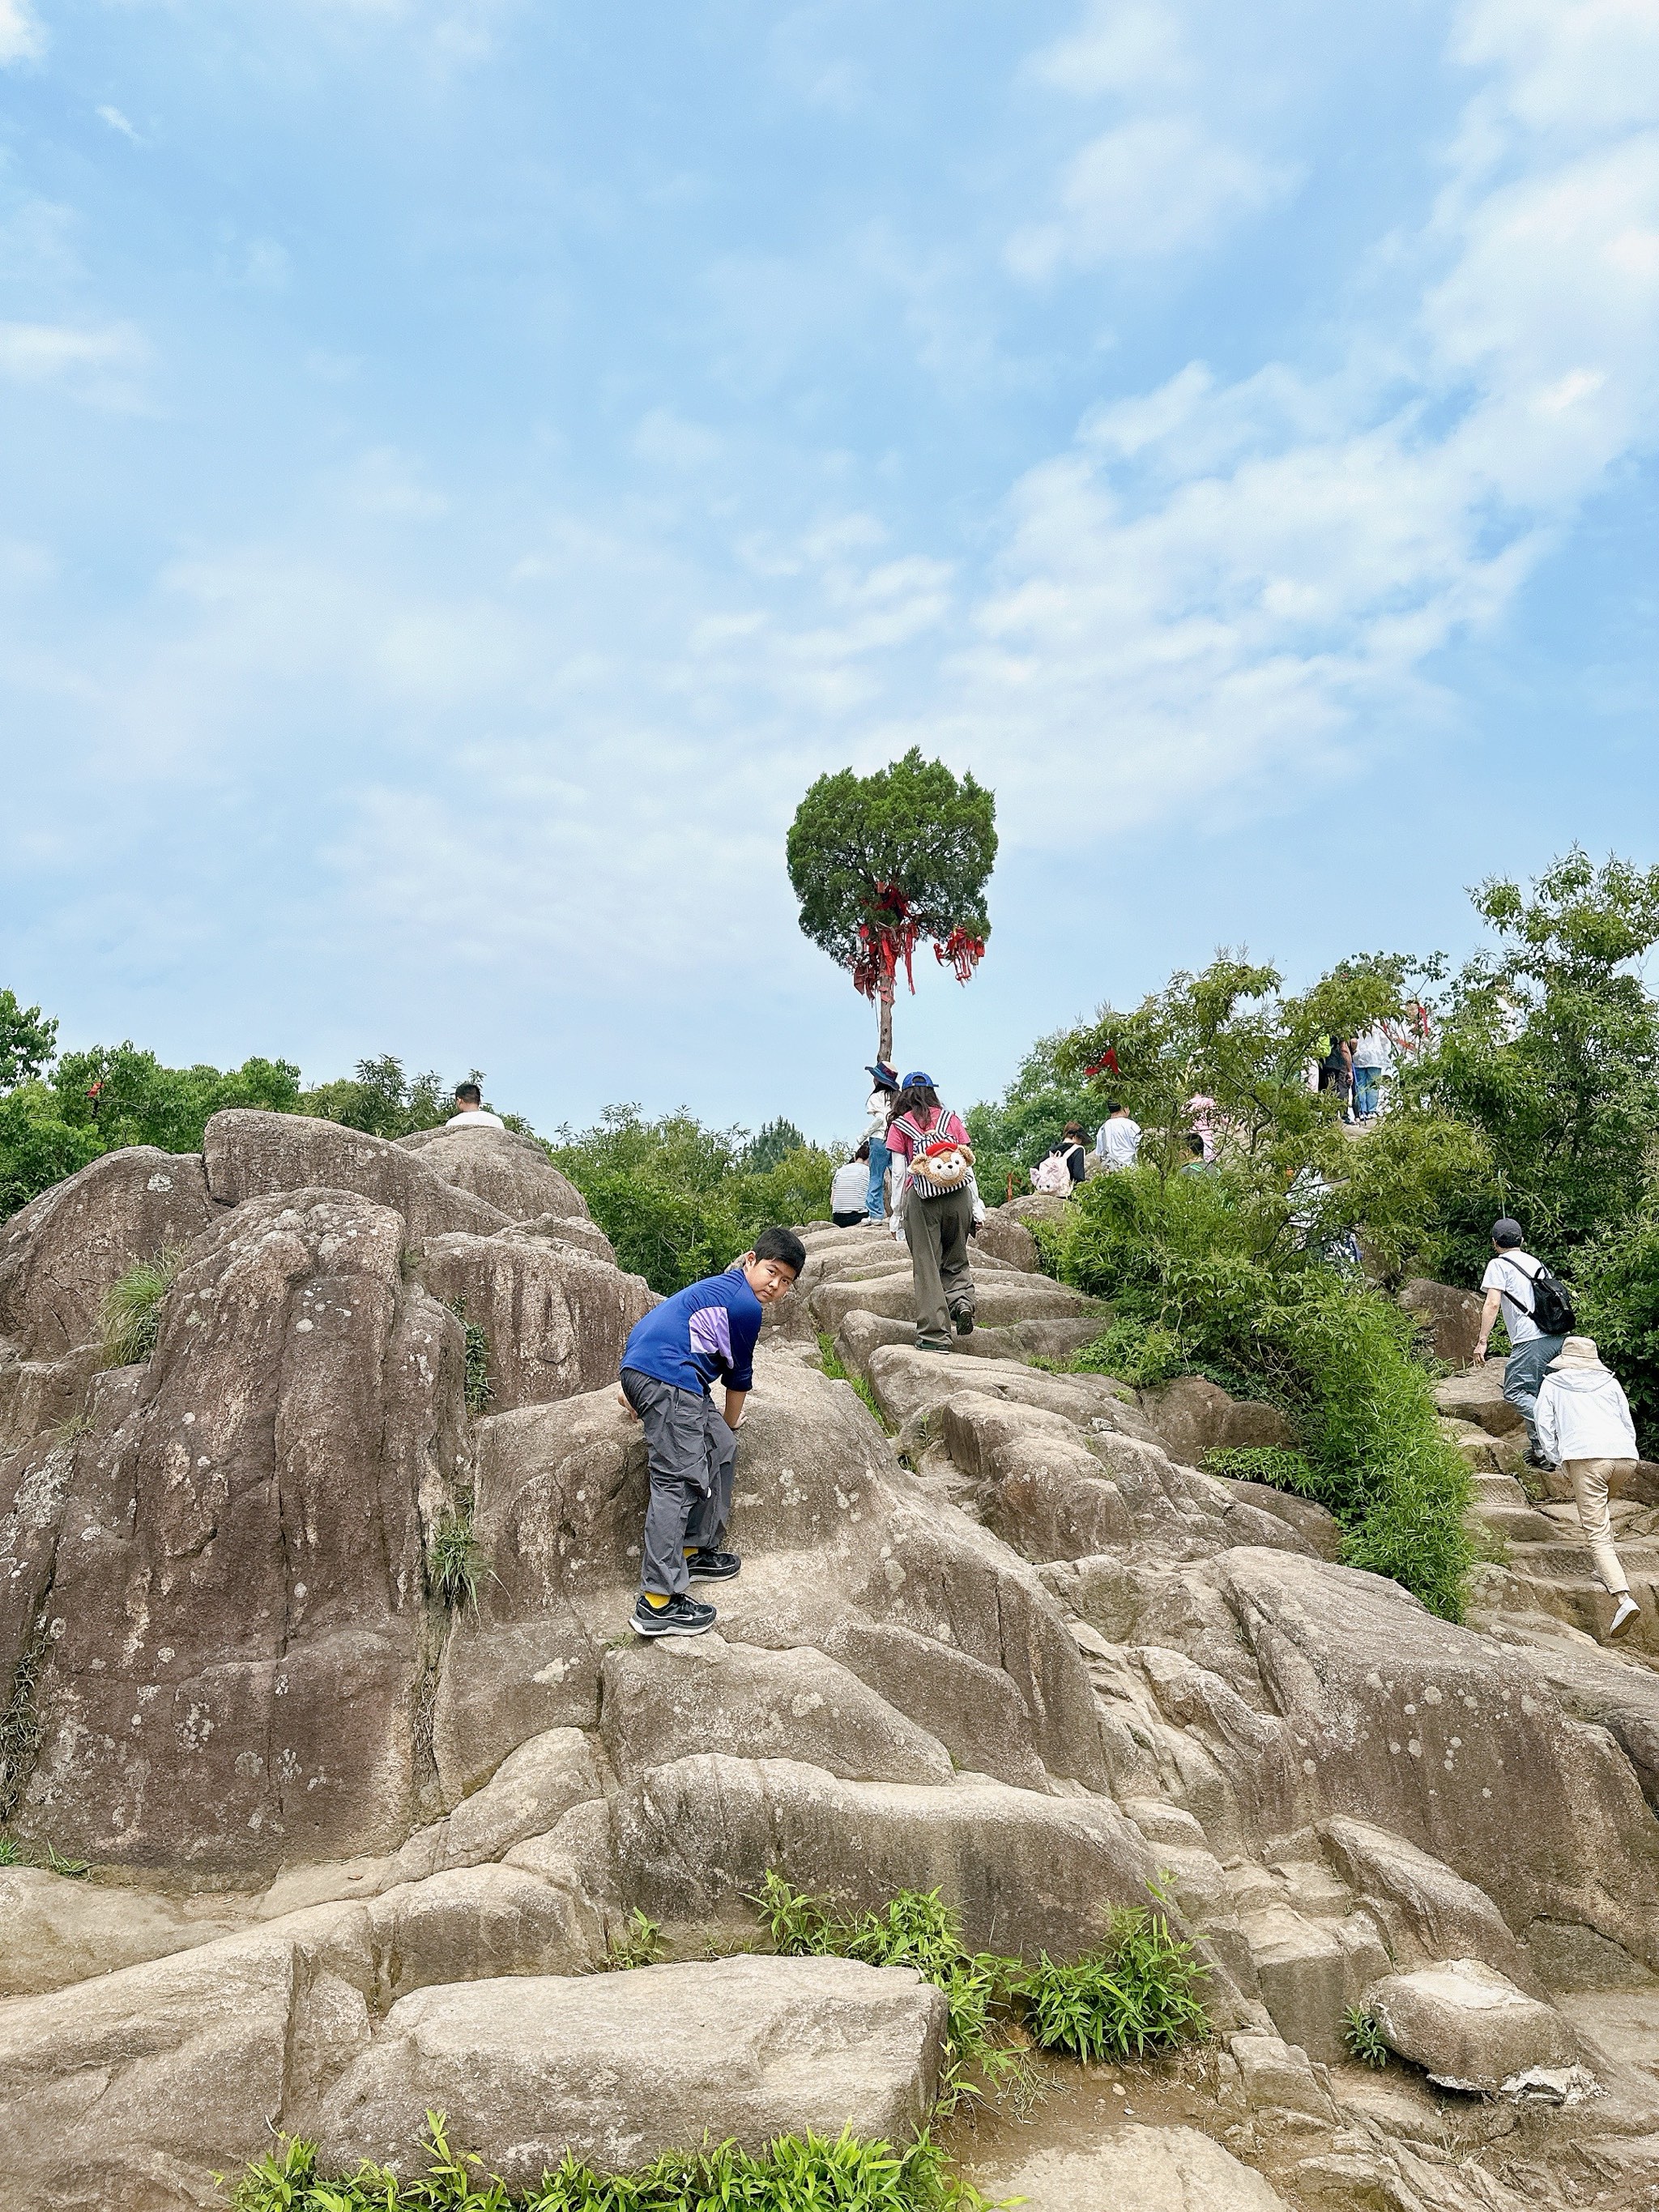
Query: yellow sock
{"x": 691, "y": 1550}
{"x": 655, "y": 1602}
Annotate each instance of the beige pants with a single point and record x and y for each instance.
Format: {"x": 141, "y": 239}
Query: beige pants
{"x": 1590, "y": 1478}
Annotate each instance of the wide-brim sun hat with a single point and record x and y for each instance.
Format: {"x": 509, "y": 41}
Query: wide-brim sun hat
{"x": 916, "y": 1081}
{"x": 885, "y": 1076}
{"x": 1578, "y": 1352}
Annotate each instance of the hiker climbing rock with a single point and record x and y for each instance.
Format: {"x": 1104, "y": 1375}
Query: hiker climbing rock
{"x": 1537, "y": 1315}
{"x": 939, "y": 1203}
{"x": 1584, "y": 1425}
{"x": 704, "y": 1334}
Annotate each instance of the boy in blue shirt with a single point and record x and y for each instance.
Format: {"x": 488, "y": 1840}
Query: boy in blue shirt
{"x": 704, "y": 1333}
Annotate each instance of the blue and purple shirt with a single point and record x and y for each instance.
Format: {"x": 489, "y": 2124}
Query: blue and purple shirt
{"x": 704, "y": 1333}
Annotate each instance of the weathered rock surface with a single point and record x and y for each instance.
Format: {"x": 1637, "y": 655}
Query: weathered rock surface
{"x": 582, "y": 1235}
{"x": 55, "y": 1931}
{"x": 506, "y": 1170}
{"x": 670, "y": 1701}
{"x": 253, "y": 1155}
{"x": 1467, "y": 2026}
{"x": 1000, "y": 1297}
{"x": 1002, "y": 1236}
{"x": 619, "y": 2067}
{"x": 1478, "y": 1397}
{"x": 556, "y": 1319}
{"x": 1451, "y": 1317}
{"x": 1191, "y": 1416}
{"x": 1136, "y": 2169}
{"x": 62, "y": 1251}
{"x": 238, "y": 1631}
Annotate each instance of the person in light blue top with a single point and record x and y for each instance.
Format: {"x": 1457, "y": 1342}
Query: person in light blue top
{"x": 704, "y": 1334}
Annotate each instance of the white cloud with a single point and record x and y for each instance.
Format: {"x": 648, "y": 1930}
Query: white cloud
{"x": 1159, "y": 185}
{"x": 119, "y": 122}
{"x": 1118, "y": 48}
{"x": 45, "y": 353}
{"x": 21, "y": 38}
{"x": 1223, "y": 584}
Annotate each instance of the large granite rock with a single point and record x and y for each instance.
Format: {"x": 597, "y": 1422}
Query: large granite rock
{"x": 1000, "y": 1296}
{"x": 1191, "y": 1416}
{"x": 1450, "y": 1317}
{"x": 253, "y": 1155}
{"x": 62, "y": 1251}
{"x": 54, "y": 1931}
{"x": 506, "y": 1170}
{"x": 1315, "y": 1689}
{"x": 1131, "y": 2169}
{"x": 619, "y": 2067}
{"x": 1478, "y": 1397}
{"x": 238, "y": 1631}
{"x": 1467, "y": 2026}
{"x": 1005, "y": 1236}
{"x": 668, "y": 1701}
{"x": 556, "y": 1319}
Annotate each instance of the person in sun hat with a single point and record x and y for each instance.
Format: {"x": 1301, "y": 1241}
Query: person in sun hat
{"x": 937, "y": 1212}
{"x": 878, "y": 1109}
{"x": 1583, "y": 1423}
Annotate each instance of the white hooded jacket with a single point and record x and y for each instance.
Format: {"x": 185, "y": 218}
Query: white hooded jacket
{"x": 1582, "y": 1414}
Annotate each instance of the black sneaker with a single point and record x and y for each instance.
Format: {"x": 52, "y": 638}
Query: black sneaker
{"x": 964, "y": 1321}
{"x": 1535, "y": 1458}
{"x": 681, "y": 1616}
{"x": 709, "y": 1566}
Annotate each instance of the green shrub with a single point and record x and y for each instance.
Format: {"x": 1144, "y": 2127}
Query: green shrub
{"x": 132, "y": 1310}
{"x": 1363, "y": 2038}
{"x": 1277, "y": 1466}
{"x": 478, "y": 1390}
{"x": 918, "y": 1930}
{"x": 797, "y": 2173}
{"x": 1138, "y": 1995}
{"x": 1616, "y": 1294}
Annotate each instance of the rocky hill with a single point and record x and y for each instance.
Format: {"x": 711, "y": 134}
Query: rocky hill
{"x": 366, "y": 1841}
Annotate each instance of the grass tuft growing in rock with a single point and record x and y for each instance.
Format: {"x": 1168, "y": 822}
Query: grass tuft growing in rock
{"x": 829, "y": 1359}
{"x": 452, "y": 1558}
{"x": 797, "y": 2173}
{"x": 641, "y": 1945}
{"x": 131, "y": 1314}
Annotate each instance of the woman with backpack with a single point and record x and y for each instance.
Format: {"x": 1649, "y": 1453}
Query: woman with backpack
{"x": 1058, "y": 1173}
{"x": 934, "y": 1165}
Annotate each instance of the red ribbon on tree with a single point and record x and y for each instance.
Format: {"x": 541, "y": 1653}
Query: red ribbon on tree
{"x": 887, "y": 938}
{"x": 1106, "y": 1064}
{"x": 961, "y": 952}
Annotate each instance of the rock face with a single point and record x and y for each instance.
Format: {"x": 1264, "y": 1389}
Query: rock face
{"x": 362, "y": 1854}
{"x": 237, "y": 1632}
{"x": 507, "y": 1171}
{"x": 1451, "y": 1317}
{"x": 1467, "y": 2027}
{"x": 252, "y": 1155}
{"x": 556, "y": 1319}
{"x": 62, "y": 1251}
{"x": 619, "y": 2067}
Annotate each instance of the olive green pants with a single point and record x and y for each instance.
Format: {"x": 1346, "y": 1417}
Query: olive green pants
{"x": 936, "y": 1230}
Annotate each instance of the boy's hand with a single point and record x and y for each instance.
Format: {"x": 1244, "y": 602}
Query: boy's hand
{"x": 621, "y": 1400}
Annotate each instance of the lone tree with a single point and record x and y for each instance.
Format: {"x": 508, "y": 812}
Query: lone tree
{"x": 879, "y": 862}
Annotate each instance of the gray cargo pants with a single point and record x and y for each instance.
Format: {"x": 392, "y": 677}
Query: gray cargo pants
{"x": 1523, "y": 1377}
{"x": 936, "y": 1230}
{"x": 691, "y": 1453}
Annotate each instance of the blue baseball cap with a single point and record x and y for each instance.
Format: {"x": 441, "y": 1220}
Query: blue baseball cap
{"x": 916, "y": 1079}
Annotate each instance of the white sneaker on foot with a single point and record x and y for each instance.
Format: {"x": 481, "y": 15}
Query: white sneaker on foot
{"x": 1623, "y": 1613}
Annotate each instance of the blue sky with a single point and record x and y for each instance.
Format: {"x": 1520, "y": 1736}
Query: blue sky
{"x": 466, "y": 467}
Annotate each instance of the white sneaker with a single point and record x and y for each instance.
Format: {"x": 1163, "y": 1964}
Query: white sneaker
{"x": 1623, "y": 1613}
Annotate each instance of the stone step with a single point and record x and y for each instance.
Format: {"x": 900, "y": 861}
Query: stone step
{"x": 1516, "y": 1524}
{"x": 1491, "y": 1489}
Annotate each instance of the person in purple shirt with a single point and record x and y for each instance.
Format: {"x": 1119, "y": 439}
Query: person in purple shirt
{"x": 704, "y": 1334}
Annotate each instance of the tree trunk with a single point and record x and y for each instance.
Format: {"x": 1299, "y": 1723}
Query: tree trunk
{"x": 884, "y": 1049}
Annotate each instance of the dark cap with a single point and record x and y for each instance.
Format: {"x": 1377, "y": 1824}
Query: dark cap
{"x": 1506, "y": 1232}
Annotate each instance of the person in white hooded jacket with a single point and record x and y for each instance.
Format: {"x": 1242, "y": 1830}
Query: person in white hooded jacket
{"x": 1584, "y": 1425}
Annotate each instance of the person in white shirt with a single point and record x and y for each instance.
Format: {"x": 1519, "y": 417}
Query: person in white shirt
{"x": 1370, "y": 1057}
{"x": 849, "y": 1189}
{"x": 1584, "y": 1425}
{"x": 1508, "y": 1282}
{"x": 1119, "y": 1141}
{"x": 469, "y": 1114}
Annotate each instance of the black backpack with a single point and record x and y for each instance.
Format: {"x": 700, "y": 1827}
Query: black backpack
{"x": 1551, "y": 1309}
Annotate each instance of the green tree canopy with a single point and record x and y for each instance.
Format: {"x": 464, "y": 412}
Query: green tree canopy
{"x": 881, "y": 862}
